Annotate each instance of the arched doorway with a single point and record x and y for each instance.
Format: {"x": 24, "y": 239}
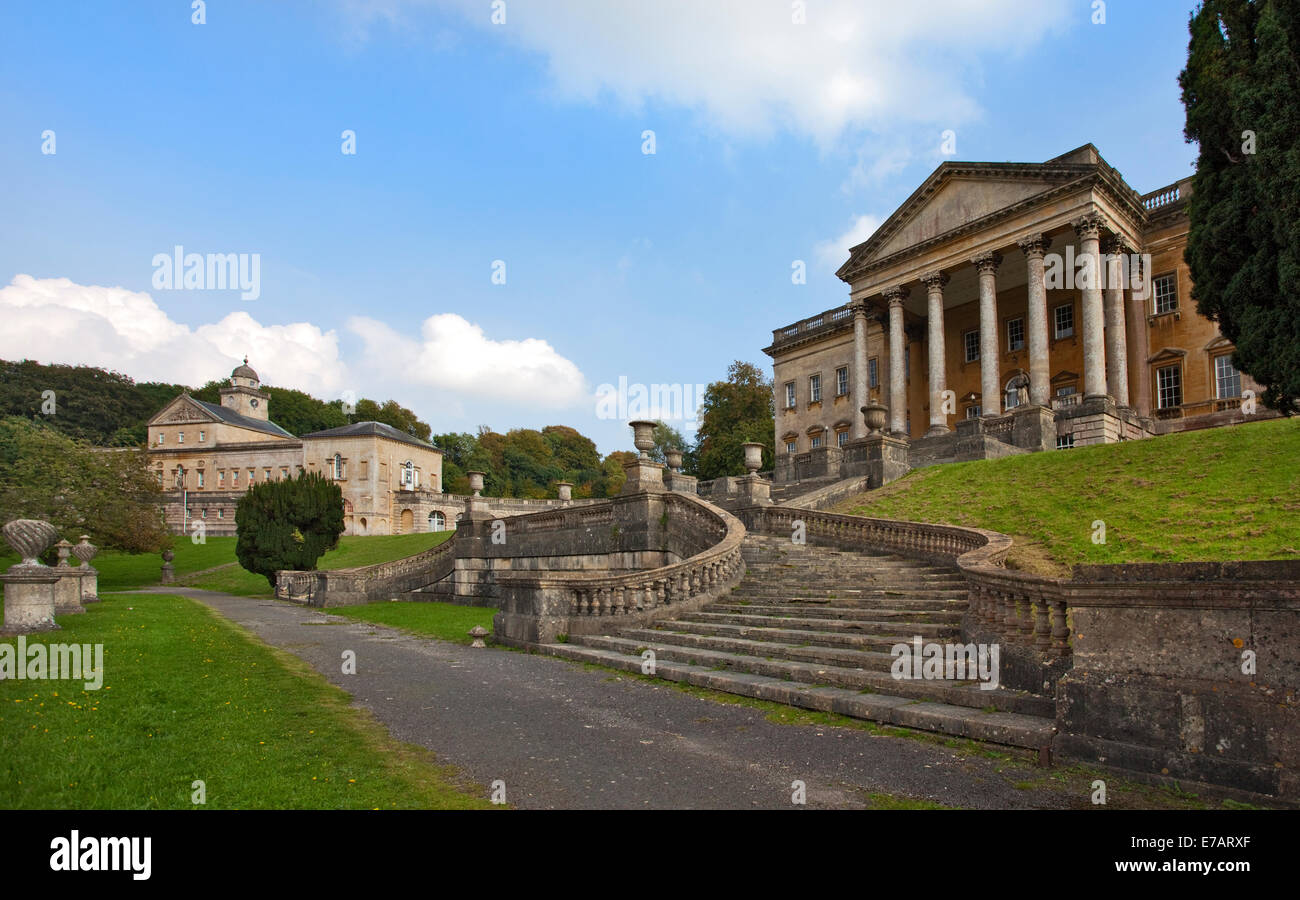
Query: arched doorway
{"x": 408, "y": 521}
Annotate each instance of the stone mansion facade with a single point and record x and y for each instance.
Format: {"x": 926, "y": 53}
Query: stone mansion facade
{"x": 1006, "y": 308}
{"x": 207, "y": 455}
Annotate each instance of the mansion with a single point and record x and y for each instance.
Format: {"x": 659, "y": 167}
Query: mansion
{"x": 206, "y": 455}
{"x": 1007, "y": 308}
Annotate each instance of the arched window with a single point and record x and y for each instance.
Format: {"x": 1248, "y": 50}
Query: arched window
{"x": 408, "y": 476}
{"x": 1011, "y": 394}
{"x": 437, "y": 521}
{"x": 336, "y": 467}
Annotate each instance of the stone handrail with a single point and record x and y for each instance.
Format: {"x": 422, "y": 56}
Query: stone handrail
{"x": 1015, "y": 608}
{"x": 943, "y": 544}
{"x": 395, "y": 576}
{"x": 583, "y": 601}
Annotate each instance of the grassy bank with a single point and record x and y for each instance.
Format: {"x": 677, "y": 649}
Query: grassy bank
{"x": 1219, "y": 494}
{"x": 127, "y": 571}
{"x": 445, "y": 621}
{"x": 189, "y": 696}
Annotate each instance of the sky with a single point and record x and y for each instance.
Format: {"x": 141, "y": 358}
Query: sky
{"x": 488, "y": 210}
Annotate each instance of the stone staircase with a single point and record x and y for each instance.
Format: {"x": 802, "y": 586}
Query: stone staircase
{"x": 813, "y": 627}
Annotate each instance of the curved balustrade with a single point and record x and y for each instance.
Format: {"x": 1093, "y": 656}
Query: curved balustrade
{"x": 1024, "y": 609}
{"x": 582, "y": 602}
{"x": 360, "y": 584}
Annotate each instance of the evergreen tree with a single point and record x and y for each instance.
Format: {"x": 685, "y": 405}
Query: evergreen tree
{"x": 288, "y": 524}
{"x": 1241, "y": 90}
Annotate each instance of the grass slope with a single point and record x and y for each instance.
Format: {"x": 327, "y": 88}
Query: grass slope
{"x": 189, "y": 696}
{"x": 126, "y": 571}
{"x": 1218, "y": 494}
{"x": 445, "y": 621}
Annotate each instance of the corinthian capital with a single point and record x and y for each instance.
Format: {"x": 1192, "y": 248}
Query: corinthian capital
{"x": 934, "y": 281}
{"x": 1034, "y": 245}
{"x": 895, "y": 296}
{"x": 1089, "y": 226}
{"x": 987, "y": 262}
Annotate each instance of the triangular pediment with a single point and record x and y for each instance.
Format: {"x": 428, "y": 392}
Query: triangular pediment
{"x": 1168, "y": 354}
{"x": 959, "y": 195}
{"x": 183, "y": 410}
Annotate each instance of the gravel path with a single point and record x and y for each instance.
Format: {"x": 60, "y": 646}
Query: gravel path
{"x": 564, "y": 737}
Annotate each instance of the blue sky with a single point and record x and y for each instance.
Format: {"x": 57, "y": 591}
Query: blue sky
{"x": 519, "y": 142}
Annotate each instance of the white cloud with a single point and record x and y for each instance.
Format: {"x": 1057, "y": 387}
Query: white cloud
{"x": 58, "y": 320}
{"x": 835, "y": 252}
{"x": 447, "y": 367}
{"x": 870, "y": 64}
{"x": 454, "y": 357}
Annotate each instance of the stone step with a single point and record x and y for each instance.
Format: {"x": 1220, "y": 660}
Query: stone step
{"x": 844, "y": 607}
{"x": 1006, "y": 728}
{"x": 853, "y": 639}
{"x": 900, "y": 625}
{"x": 876, "y": 680}
{"x": 840, "y": 613}
{"x": 778, "y": 592}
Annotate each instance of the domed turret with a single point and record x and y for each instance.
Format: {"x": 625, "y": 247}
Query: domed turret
{"x": 245, "y": 371}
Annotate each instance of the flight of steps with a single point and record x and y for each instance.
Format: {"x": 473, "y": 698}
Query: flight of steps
{"x": 813, "y": 627}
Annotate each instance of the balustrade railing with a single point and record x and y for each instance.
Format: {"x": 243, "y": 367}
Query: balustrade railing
{"x": 589, "y": 595}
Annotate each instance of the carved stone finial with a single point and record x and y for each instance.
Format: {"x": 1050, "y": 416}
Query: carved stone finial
{"x": 31, "y": 538}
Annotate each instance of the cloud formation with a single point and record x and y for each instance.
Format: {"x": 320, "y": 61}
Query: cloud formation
{"x": 746, "y": 65}
{"x": 834, "y": 253}
{"x": 449, "y": 363}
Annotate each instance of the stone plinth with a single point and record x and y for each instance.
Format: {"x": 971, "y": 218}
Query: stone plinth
{"x": 754, "y": 491}
{"x": 682, "y": 484}
{"x": 885, "y": 459}
{"x": 29, "y": 599}
{"x": 643, "y": 476}
{"x": 1033, "y": 428}
{"x": 67, "y": 591}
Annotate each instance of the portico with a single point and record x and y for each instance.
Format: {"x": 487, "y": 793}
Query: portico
{"x": 993, "y": 276}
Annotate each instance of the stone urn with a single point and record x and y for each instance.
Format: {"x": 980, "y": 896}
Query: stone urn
{"x": 85, "y": 551}
{"x": 643, "y": 437}
{"x": 168, "y": 570}
{"x": 476, "y": 482}
{"x": 565, "y": 490}
{"x": 753, "y": 456}
{"x": 30, "y": 538}
{"x": 874, "y": 415}
{"x": 65, "y": 550}
{"x": 674, "y": 458}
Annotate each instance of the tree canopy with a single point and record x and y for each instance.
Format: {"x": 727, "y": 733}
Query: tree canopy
{"x": 734, "y": 412}
{"x": 1241, "y": 90}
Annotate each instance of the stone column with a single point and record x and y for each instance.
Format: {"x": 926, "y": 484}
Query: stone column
{"x": 1140, "y": 381}
{"x": 1034, "y": 247}
{"x": 934, "y": 282}
{"x": 859, "y": 361}
{"x": 1089, "y": 229}
{"x": 990, "y": 382}
{"x": 1116, "y": 338}
{"x": 897, "y": 363}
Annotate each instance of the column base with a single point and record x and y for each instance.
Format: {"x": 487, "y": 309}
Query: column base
{"x": 936, "y": 430}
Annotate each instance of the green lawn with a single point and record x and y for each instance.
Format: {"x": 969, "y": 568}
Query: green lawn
{"x": 445, "y": 621}
{"x": 126, "y": 571}
{"x": 189, "y": 696}
{"x": 1218, "y": 494}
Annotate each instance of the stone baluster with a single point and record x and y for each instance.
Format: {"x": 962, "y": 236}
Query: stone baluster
{"x": 1060, "y": 629}
{"x": 1042, "y": 627}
